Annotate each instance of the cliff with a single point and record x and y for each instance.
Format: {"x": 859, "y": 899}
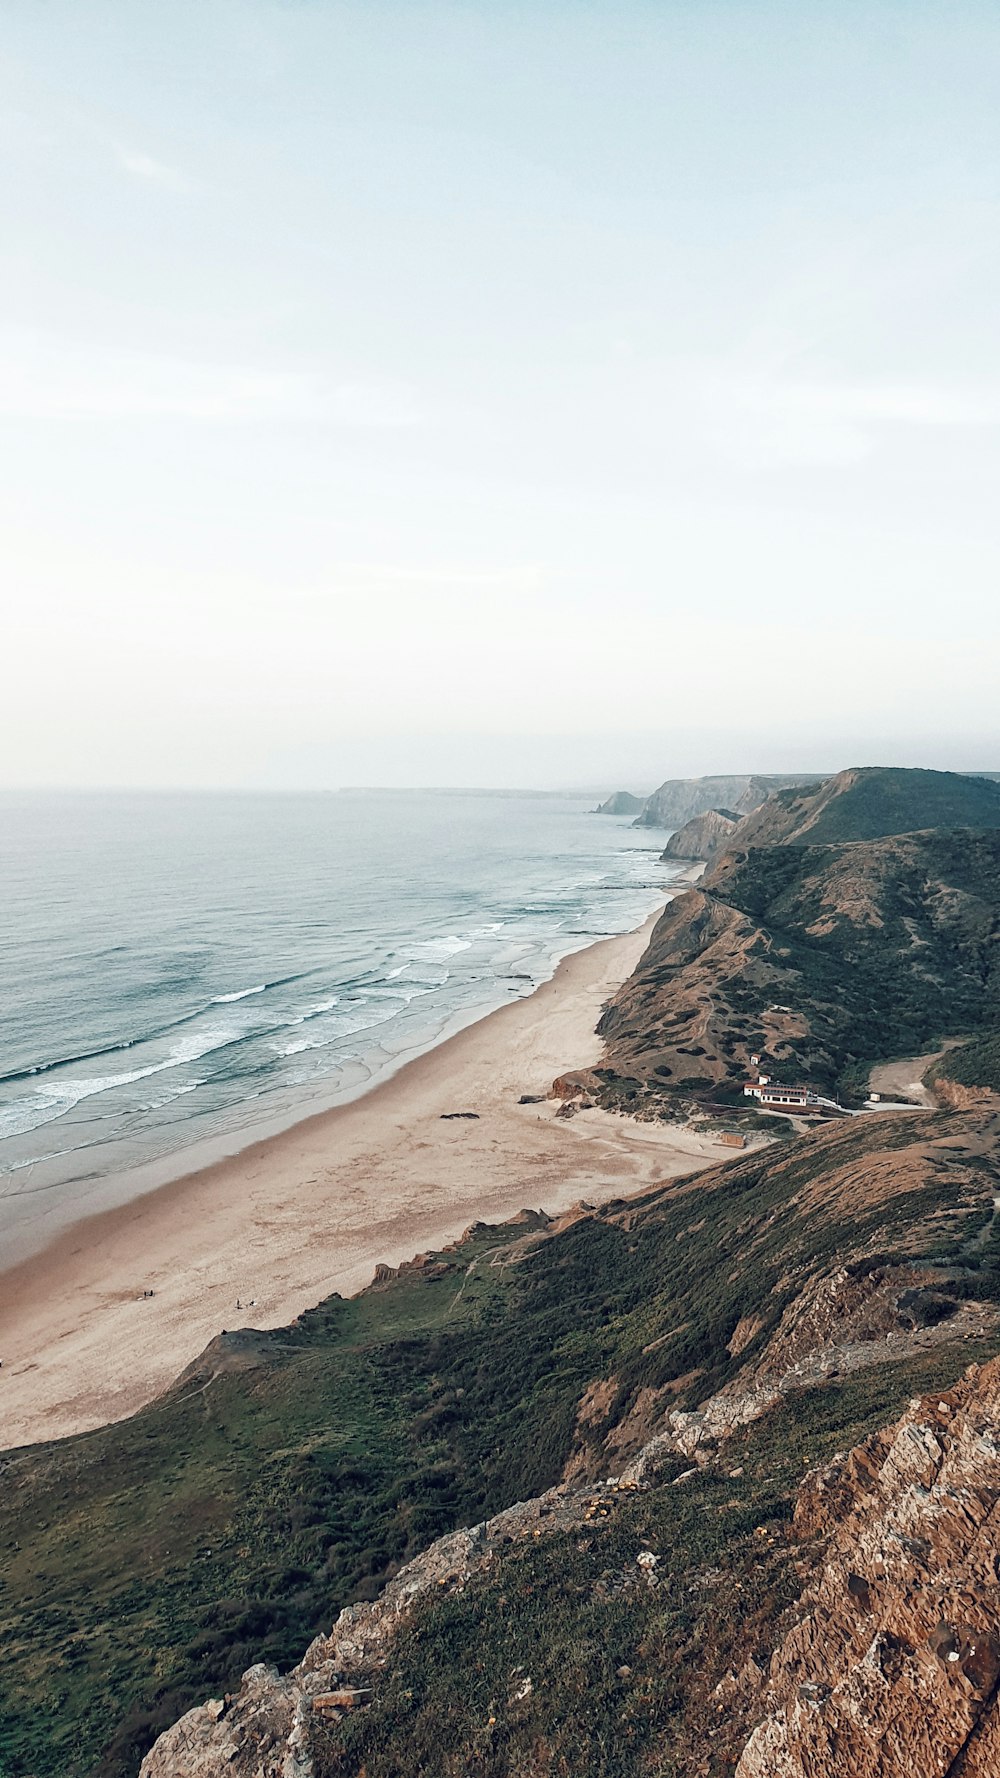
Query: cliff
{"x": 871, "y": 802}
{"x": 826, "y": 958}
{"x": 704, "y": 1608}
{"x": 702, "y": 837}
{"x": 894, "y": 1662}
{"x": 621, "y": 803}
{"x": 677, "y": 800}
{"x": 889, "y": 1668}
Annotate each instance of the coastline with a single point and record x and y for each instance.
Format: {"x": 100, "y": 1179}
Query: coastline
{"x": 312, "y": 1210}
{"x": 34, "y": 1216}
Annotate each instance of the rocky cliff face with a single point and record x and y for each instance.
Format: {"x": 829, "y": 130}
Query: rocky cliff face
{"x": 893, "y": 1667}
{"x": 269, "y": 1728}
{"x": 887, "y": 1666}
{"x": 871, "y": 1624}
{"x": 679, "y": 799}
{"x": 702, "y": 837}
{"x": 623, "y": 802}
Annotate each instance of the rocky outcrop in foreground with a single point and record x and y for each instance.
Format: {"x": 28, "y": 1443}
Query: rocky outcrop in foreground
{"x": 265, "y": 1730}
{"x": 892, "y": 1670}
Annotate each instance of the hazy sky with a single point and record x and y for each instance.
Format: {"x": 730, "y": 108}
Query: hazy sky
{"x": 497, "y": 393}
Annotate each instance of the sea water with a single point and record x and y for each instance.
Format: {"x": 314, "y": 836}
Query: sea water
{"x": 177, "y": 969}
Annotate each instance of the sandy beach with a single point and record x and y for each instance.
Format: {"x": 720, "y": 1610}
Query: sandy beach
{"x": 314, "y": 1209}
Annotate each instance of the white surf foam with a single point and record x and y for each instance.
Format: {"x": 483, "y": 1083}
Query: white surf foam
{"x": 44, "y": 1104}
{"x": 439, "y": 948}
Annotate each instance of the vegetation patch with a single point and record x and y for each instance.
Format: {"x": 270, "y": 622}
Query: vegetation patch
{"x": 569, "y": 1655}
{"x": 146, "y": 1565}
{"x": 975, "y": 1064}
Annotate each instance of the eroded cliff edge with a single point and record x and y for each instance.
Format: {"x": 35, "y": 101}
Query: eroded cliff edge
{"x": 704, "y": 1608}
{"x": 888, "y": 1665}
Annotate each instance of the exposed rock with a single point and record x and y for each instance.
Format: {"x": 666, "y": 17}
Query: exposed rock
{"x": 580, "y": 1083}
{"x": 536, "y": 1219}
{"x": 603, "y": 1442}
{"x": 659, "y": 1454}
{"x": 959, "y": 1097}
{"x": 743, "y": 1334}
{"x": 840, "y": 1322}
{"x": 677, "y": 800}
{"x": 622, "y": 802}
{"x": 262, "y": 1733}
{"x": 702, "y": 837}
{"x": 265, "y": 1730}
{"x": 892, "y": 1670}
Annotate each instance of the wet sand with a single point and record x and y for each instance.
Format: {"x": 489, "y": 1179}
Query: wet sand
{"x": 314, "y": 1209}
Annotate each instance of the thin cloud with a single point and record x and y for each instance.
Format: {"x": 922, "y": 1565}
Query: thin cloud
{"x": 44, "y": 377}
{"x": 527, "y": 577}
{"x": 154, "y": 172}
{"x": 907, "y": 404}
{"x": 768, "y": 421}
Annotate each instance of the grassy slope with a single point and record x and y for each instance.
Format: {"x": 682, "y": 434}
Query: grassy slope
{"x": 622, "y": 1674}
{"x": 927, "y": 967}
{"x": 917, "y": 975}
{"x": 146, "y": 1565}
{"x": 889, "y": 800}
{"x": 975, "y": 1064}
{"x": 871, "y": 802}
{"x": 887, "y": 947}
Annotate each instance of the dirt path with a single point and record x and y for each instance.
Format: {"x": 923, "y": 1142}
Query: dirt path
{"x": 905, "y": 1079}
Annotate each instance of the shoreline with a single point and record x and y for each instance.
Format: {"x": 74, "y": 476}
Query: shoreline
{"x": 298, "y": 1215}
{"x": 33, "y": 1220}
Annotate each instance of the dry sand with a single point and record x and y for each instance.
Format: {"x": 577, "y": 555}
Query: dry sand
{"x": 299, "y": 1215}
{"x": 903, "y": 1081}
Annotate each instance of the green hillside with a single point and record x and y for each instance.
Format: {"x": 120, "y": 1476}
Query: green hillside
{"x": 146, "y": 1565}
{"x": 975, "y": 1064}
{"x": 829, "y": 958}
{"x": 871, "y": 802}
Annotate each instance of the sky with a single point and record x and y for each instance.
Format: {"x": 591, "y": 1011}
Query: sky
{"x": 489, "y": 394}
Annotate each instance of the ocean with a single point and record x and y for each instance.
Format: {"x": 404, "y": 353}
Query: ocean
{"x": 180, "y": 973}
